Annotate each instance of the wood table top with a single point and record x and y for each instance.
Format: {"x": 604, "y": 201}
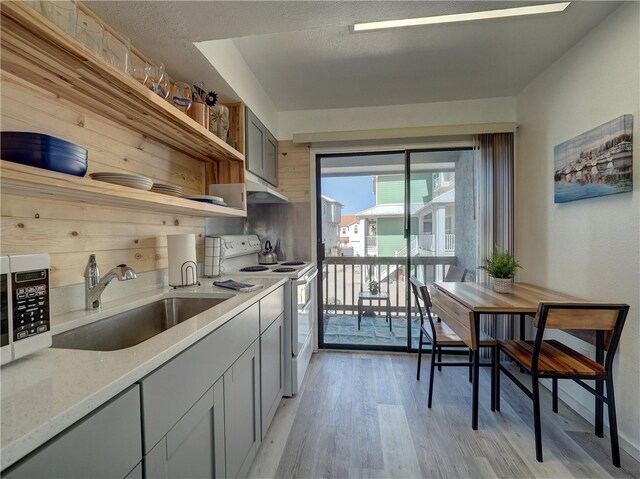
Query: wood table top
{"x": 481, "y": 298}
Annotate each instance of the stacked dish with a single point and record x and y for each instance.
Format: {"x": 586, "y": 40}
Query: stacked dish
{"x": 43, "y": 151}
{"x": 122, "y": 179}
{"x": 163, "y": 189}
{"x": 214, "y": 200}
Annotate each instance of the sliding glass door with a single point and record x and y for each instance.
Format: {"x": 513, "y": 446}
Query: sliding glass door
{"x": 381, "y": 218}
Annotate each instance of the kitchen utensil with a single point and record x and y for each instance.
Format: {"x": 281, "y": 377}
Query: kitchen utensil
{"x": 90, "y": 32}
{"x": 200, "y": 113}
{"x": 123, "y": 179}
{"x": 181, "y": 96}
{"x": 43, "y": 151}
{"x": 268, "y": 256}
{"x": 117, "y": 51}
{"x": 211, "y": 98}
{"x": 219, "y": 121}
{"x": 199, "y": 93}
{"x": 62, "y": 13}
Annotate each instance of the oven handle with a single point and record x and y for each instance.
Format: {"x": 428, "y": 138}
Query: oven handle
{"x": 307, "y": 279}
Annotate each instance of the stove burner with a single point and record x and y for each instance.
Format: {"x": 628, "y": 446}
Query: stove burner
{"x": 252, "y": 269}
{"x": 284, "y": 270}
{"x": 292, "y": 263}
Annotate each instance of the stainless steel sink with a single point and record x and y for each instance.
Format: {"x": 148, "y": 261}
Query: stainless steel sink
{"x": 135, "y": 326}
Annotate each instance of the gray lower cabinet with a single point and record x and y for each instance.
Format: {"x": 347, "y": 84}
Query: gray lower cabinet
{"x": 271, "y": 371}
{"x": 194, "y": 447}
{"x": 242, "y": 413}
{"x": 107, "y": 443}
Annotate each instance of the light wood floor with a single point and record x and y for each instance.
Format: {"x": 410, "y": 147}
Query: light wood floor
{"x": 364, "y": 415}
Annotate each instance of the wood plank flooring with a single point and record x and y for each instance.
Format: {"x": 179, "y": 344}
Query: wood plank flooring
{"x": 364, "y": 415}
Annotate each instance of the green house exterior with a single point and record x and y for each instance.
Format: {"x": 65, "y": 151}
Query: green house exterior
{"x": 390, "y": 190}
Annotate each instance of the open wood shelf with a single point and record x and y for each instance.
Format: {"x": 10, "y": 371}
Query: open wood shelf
{"x": 40, "y": 183}
{"x": 37, "y": 50}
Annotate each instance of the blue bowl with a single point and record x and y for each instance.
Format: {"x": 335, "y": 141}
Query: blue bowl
{"x": 43, "y": 151}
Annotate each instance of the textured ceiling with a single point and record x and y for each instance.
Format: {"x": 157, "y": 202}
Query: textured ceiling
{"x": 305, "y": 57}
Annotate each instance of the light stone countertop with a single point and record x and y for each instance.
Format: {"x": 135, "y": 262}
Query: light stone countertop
{"x": 43, "y": 394}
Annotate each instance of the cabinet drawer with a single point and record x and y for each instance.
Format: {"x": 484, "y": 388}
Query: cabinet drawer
{"x": 107, "y": 443}
{"x": 271, "y": 306}
{"x": 169, "y": 392}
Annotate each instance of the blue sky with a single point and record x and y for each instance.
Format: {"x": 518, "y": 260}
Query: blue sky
{"x": 354, "y": 192}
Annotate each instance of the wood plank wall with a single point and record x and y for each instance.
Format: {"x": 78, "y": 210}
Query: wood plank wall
{"x": 71, "y": 231}
{"x": 294, "y": 170}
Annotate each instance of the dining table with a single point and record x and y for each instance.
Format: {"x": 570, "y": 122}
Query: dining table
{"x": 452, "y": 300}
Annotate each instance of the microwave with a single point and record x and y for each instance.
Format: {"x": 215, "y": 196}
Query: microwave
{"x": 24, "y": 305}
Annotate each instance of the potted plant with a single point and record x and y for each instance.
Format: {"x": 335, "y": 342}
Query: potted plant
{"x": 374, "y": 287}
{"x": 501, "y": 267}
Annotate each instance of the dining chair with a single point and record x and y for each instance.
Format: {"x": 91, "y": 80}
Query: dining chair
{"x": 442, "y": 336}
{"x": 542, "y": 358}
{"x": 455, "y": 274}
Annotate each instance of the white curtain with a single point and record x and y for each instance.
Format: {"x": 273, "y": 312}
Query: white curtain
{"x": 493, "y": 159}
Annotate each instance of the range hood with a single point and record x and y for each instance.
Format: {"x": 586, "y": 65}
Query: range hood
{"x": 259, "y": 191}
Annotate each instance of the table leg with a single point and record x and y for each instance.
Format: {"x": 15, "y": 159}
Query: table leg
{"x": 389, "y": 314}
{"x": 522, "y": 336}
{"x": 476, "y": 374}
{"x": 359, "y": 312}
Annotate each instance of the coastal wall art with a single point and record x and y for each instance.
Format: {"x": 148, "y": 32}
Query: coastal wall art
{"x": 596, "y": 163}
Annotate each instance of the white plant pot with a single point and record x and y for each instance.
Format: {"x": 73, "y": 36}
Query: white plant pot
{"x": 502, "y": 285}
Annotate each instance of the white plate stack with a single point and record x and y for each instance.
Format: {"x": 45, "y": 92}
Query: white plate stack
{"x": 122, "y": 179}
{"x": 163, "y": 189}
{"x": 212, "y": 256}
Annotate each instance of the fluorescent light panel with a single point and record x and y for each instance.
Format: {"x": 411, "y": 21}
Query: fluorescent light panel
{"x": 463, "y": 17}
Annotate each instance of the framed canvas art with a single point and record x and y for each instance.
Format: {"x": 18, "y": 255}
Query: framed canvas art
{"x": 596, "y": 163}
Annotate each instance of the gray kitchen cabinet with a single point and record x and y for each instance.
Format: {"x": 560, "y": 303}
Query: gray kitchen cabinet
{"x": 261, "y": 149}
{"x": 194, "y": 447}
{"x": 271, "y": 306}
{"x": 171, "y": 390}
{"x": 242, "y": 413}
{"x": 271, "y": 371}
{"x": 107, "y": 443}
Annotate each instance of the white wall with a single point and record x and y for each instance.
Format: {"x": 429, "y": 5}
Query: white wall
{"x": 587, "y": 248}
{"x": 226, "y": 58}
{"x": 491, "y": 110}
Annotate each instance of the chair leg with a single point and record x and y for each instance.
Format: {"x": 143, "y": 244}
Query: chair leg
{"x": 536, "y": 417}
{"x": 419, "y": 355}
{"x": 554, "y": 387}
{"x": 613, "y": 423}
{"x": 497, "y": 379}
{"x": 432, "y": 373}
{"x": 439, "y": 357}
{"x": 470, "y": 365}
{"x": 493, "y": 378}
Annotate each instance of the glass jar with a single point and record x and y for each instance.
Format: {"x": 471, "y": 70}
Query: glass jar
{"x": 219, "y": 121}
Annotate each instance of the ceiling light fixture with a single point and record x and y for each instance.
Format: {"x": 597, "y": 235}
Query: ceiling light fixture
{"x": 463, "y": 17}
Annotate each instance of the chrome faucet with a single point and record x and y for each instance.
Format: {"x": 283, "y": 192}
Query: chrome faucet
{"x": 94, "y": 286}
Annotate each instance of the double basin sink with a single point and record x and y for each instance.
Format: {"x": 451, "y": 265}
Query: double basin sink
{"x": 132, "y": 327}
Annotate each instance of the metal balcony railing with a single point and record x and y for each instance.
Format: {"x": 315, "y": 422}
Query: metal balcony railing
{"x": 345, "y": 277}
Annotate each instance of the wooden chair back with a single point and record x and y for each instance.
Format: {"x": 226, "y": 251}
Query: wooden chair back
{"x": 421, "y": 295}
{"x": 455, "y": 274}
{"x": 457, "y": 316}
{"x": 605, "y": 319}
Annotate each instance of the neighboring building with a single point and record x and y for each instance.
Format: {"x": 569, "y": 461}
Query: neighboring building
{"x": 432, "y": 210}
{"x": 331, "y": 211}
{"x": 352, "y": 231}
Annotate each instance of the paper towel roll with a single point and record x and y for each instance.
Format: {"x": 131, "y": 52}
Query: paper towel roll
{"x": 182, "y": 260}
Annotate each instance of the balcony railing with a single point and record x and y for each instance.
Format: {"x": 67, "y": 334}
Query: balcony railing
{"x": 345, "y": 277}
{"x": 449, "y": 242}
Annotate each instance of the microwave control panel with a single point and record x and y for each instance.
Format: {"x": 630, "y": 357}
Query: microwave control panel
{"x": 30, "y": 303}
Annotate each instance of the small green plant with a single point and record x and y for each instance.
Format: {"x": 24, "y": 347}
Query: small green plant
{"x": 374, "y": 287}
{"x": 501, "y": 264}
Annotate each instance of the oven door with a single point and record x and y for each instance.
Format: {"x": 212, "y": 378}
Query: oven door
{"x": 5, "y": 311}
{"x": 303, "y": 313}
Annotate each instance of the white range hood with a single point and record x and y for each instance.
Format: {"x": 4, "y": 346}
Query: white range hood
{"x": 258, "y": 191}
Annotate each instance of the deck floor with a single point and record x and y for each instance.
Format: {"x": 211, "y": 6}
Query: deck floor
{"x": 342, "y": 329}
